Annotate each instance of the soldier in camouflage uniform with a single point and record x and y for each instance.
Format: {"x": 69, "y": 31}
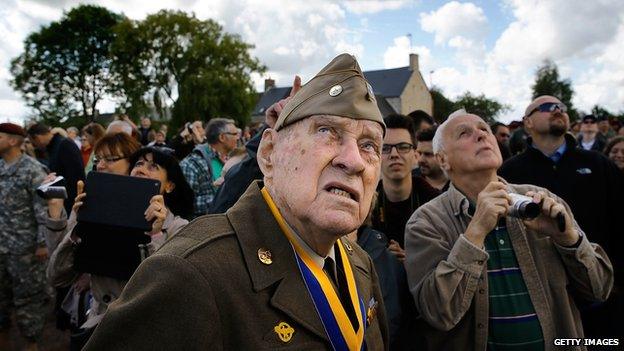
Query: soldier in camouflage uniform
{"x": 23, "y": 251}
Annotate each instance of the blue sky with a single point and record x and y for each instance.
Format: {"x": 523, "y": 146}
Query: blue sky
{"x": 489, "y": 47}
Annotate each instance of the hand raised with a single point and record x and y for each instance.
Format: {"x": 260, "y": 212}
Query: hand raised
{"x": 546, "y": 223}
{"x": 492, "y": 203}
{"x": 156, "y": 211}
{"x": 272, "y": 113}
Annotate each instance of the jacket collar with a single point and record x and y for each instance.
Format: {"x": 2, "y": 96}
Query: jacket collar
{"x": 257, "y": 231}
{"x": 570, "y": 141}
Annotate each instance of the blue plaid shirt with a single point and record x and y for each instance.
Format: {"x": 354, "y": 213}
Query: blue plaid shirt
{"x": 197, "y": 171}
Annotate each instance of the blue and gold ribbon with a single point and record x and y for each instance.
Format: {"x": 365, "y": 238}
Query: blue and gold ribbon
{"x": 339, "y": 329}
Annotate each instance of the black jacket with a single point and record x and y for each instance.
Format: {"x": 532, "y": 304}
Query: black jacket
{"x": 65, "y": 159}
{"x": 588, "y": 181}
{"x": 400, "y": 308}
{"x": 238, "y": 178}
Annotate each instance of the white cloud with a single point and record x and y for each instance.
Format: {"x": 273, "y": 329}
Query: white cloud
{"x": 455, "y": 20}
{"x": 371, "y": 6}
{"x": 397, "y": 55}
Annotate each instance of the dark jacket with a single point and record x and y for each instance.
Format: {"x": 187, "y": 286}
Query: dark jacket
{"x": 206, "y": 288}
{"x": 65, "y": 159}
{"x": 400, "y": 308}
{"x": 588, "y": 181}
{"x": 422, "y": 192}
{"x": 238, "y": 178}
{"x": 598, "y": 145}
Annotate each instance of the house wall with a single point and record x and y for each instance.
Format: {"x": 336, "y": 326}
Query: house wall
{"x": 416, "y": 96}
{"x": 395, "y": 103}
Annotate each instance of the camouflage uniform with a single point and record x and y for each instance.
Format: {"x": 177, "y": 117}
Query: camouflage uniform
{"x": 22, "y": 230}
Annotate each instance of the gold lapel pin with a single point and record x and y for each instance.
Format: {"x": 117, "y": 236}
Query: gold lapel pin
{"x": 284, "y": 331}
{"x": 348, "y": 247}
{"x": 264, "y": 255}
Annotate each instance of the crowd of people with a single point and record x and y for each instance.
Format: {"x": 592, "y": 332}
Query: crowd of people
{"x": 329, "y": 226}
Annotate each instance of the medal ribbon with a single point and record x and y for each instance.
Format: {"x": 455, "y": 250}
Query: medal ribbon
{"x": 333, "y": 315}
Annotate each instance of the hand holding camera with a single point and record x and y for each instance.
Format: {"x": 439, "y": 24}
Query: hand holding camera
{"x": 554, "y": 220}
{"x": 493, "y": 203}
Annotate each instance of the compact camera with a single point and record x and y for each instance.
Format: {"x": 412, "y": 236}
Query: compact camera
{"x": 523, "y": 207}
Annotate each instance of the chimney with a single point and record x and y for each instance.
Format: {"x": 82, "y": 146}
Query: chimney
{"x": 268, "y": 84}
{"x": 413, "y": 62}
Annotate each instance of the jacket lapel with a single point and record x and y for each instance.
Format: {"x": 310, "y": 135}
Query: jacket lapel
{"x": 256, "y": 230}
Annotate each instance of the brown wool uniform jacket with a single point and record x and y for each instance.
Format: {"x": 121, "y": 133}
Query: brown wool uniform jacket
{"x": 447, "y": 275}
{"x": 206, "y": 289}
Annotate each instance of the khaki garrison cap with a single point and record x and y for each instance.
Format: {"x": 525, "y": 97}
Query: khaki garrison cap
{"x": 339, "y": 89}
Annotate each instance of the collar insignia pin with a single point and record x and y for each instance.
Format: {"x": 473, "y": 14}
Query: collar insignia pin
{"x": 264, "y": 255}
{"x": 284, "y": 331}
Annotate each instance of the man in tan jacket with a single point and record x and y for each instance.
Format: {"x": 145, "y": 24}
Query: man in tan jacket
{"x": 274, "y": 271}
{"x": 483, "y": 279}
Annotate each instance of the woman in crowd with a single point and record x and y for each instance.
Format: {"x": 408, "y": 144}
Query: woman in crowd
{"x": 615, "y": 151}
{"x": 91, "y": 134}
{"x": 119, "y": 154}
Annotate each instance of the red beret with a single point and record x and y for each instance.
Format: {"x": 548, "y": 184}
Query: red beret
{"x": 11, "y": 128}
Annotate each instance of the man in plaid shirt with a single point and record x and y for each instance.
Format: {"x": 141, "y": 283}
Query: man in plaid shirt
{"x": 203, "y": 166}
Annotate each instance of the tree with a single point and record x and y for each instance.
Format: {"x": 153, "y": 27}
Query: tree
{"x": 548, "y": 82}
{"x": 481, "y": 106}
{"x": 175, "y": 59}
{"x": 64, "y": 70}
{"x": 442, "y": 106}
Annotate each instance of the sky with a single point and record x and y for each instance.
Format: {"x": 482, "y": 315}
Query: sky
{"x": 485, "y": 47}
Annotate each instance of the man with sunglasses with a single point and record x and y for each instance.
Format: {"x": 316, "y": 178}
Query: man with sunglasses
{"x": 589, "y": 182}
{"x": 400, "y": 192}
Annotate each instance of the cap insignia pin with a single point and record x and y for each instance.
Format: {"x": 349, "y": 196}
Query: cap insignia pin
{"x": 335, "y": 90}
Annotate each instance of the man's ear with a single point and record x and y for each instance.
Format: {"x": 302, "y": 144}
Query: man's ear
{"x": 443, "y": 160}
{"x": 265, "y": 152}
{"x": 528, "y": 123}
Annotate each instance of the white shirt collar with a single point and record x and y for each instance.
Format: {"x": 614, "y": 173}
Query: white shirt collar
{"x": 319, "y": 260}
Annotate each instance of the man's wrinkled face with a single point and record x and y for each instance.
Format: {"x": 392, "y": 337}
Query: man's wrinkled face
{"x": 555, "y": 123}
{"x": 230, "y": 137}
{"x": 325, "y": 170}
{"x": 428, "y": 163}
{"x": 470, "y": 146}
{"x": 397, "y": 164}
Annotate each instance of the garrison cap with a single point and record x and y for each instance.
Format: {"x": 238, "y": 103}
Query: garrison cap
{"x": 339, "y": 89}
{"x": 13, "y": 129}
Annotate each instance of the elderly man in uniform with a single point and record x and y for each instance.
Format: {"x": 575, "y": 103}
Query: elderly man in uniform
{"x": 484, "y": 279}
{"x": 274, "y": 271}
{"x": 23, "y": 251}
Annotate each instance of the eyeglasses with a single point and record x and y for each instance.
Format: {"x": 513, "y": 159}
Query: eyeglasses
{"x": 151, "y": 166}
{"x": 550, "y": 107}
{"x": 402, "y": 148}
{"x": 231, "y": 133}
{"x": 107, "y": 159}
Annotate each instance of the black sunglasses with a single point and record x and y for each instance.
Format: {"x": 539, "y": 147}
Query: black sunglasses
{"x": 550, "y": 107}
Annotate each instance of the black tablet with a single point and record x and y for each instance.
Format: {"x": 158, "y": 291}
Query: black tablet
{"x": 117, "y": 200}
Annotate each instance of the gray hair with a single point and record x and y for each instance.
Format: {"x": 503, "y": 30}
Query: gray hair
{"x": 438, "y": 139}
{"x": 216, "y": 127}
{"x": 119, "y": 126}
{"x": 73, "y": 129}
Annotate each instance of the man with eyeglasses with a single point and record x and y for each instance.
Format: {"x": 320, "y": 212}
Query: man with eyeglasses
{"x": 400, "y": 192}
{"x": 204, "y": 165}
{"x": 589, "y": 182}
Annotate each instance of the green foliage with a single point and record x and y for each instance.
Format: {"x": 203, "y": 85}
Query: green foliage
{"x": 442, "y": 106}
{"x": 173, "y": 58}
{"x": 481, "y": 106}
{"x": 64, "y": 70}
{"x": 548, "y": 82}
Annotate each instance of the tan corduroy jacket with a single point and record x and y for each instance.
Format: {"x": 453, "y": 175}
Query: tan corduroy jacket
{"x": 447, "y": 275}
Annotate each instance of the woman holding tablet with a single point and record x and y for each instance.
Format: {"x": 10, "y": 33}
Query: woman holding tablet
{"x": 118, "y": 154}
